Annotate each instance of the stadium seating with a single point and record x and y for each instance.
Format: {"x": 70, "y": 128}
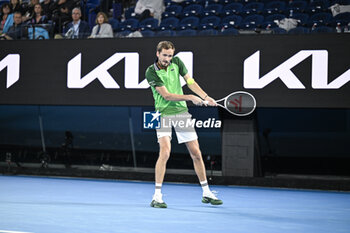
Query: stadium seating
{"x": 208, "y": 32}
{"x": 213, "y": 9}
{"x": 322, "y": 29}
{"x": 192, "y": 10}
{"x": 148, "y": 24}
{"x": 275, "y": 7}
{"x": 252, "y": 21}
{"x": 231, "y": 21}
{"x": 191, "y": 22}
{"x": 209, "y": 22}
{"x": 165, "y": 33}
{"x": 172, "y": 11}
{"x": 187, "y": 32}
{"x": 169, "y": 23}
{"x": 232, "y": 9}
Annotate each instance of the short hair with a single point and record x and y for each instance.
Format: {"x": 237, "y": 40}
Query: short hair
{"x": 17, "y": 13}
{"x": 165, "y": 45}
{"x": 105, "y": 18}
{"x": 76, "y": 8}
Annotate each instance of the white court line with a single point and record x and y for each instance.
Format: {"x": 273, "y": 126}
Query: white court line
{"x": 2, "y": 231}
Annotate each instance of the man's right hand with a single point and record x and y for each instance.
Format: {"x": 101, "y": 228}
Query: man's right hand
{"x": 196, "y": 100}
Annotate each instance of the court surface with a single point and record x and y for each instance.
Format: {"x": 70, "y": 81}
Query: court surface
{"x": 64, "y": 205}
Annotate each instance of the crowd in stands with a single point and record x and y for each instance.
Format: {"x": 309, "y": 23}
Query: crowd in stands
{"x": 43, "y": 19}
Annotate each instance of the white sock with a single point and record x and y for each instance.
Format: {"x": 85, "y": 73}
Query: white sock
{"x": 158, "y": 189}
{"x": 205, "y": 187}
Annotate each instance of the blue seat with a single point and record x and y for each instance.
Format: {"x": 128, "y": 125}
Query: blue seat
{"x": 172, "y": 11}
{"x": 114, "y": 23}
{"x": 252, "y": 22}
{"x": 169, "y": 23}
{"x": 92, "y": 19}
{"x": 269, "y": 20}
{"x": 253, "y": 8}
{"x": 341, "y": 19}
{"x": 124, "y": 33}
{"x": 130, "y": 24}
{"x": 212, "y": 9}
{"x": 275, "y": 7}
{"x": 165, "y": 33}
{"x": 299, "y": 30}
{"x": 148, "y": 33}
{"x": 210, "y": 22}
{"x": 208, "y": 32}
{"x": 192, "y": 10}
{"x": 316, "y": 6}
{"x": 187, "y": 32}
{"x": 302, "y": 17}
{"x": 297, "y": 6}
{"x": 232, "y": 8}
{"x": 278, "y": 30}
{"x": 230, "y": 31}
{"x": 168, "y": 3}
{"x": 191, "y": 22}
{"x": 232, "y": 21}
{"x": 191, "y": 2}
{"x": 320, "y": 19}
{"x": 148, "y": 24}
{"x": 130, "y": 13}
{"x": 322, "y": 29}
{"x": 226, "y": 2}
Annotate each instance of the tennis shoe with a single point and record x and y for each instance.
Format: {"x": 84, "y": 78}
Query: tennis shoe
{"x": 209, "y": 197}
{"x": 157, "y": 201}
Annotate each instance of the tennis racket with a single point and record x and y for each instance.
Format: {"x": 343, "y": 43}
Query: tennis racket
{"x": 239, "y": 103}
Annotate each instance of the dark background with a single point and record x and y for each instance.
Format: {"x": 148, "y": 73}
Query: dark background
{"x": 217, "y": 65}
{"x": 299, "y": 131}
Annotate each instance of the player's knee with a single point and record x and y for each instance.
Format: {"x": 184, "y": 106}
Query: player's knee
{"x": 164, "y": 153}
{"x": 196, "y": 155}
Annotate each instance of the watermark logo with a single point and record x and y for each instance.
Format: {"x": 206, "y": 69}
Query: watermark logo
{"x": 151, "y": 120}
{"x": 184, "y": 122}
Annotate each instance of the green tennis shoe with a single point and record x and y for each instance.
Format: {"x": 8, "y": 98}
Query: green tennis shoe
{"x": 157, "y": 201}
{"x": 156, "y": 204}
{"x": 212, "y": 201}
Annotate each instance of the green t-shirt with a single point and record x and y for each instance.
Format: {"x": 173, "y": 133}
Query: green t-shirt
{"x": 169, "y": 78}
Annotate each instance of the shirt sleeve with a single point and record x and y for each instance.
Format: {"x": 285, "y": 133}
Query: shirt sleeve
{"x": 182, "y": 68}
{"x": 153, "y": 79}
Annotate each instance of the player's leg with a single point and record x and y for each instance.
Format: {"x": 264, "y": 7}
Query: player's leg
{"x": 164, "y": 154}
{"x": 196, "y": 155}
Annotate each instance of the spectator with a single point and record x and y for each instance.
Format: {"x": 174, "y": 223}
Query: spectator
{"x": 16, "y": 31}
{"x": 77, "y": 28}
{"x": 61, "y": 11}
{"x": 38, "y": 17}
{"x": 47, "y": 6}
{"x": 6, "y": 18}
{"x": 16, "y": 5}
{"x": 102, "y": 29}
{"x": 29, "y": 11}
{"x": 149, "y": 8}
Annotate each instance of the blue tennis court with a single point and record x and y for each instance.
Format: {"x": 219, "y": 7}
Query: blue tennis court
{"x": 56, "y": 205}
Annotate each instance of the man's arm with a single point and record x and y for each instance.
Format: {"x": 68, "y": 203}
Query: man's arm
{"x": 175, "y": 97}
{"x": 199, "y": 91}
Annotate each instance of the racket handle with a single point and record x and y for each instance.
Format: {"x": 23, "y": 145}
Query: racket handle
{"x": 206, "y": 102}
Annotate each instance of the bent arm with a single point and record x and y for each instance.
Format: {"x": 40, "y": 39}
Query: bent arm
{"x": 175, "y": 97}
{"x": 195, "y": 88}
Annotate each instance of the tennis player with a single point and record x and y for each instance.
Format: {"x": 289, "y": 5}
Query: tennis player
{"x": 164, "y": 79}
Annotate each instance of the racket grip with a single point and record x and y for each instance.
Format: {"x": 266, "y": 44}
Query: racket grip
{"x": 205, "y": 102}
